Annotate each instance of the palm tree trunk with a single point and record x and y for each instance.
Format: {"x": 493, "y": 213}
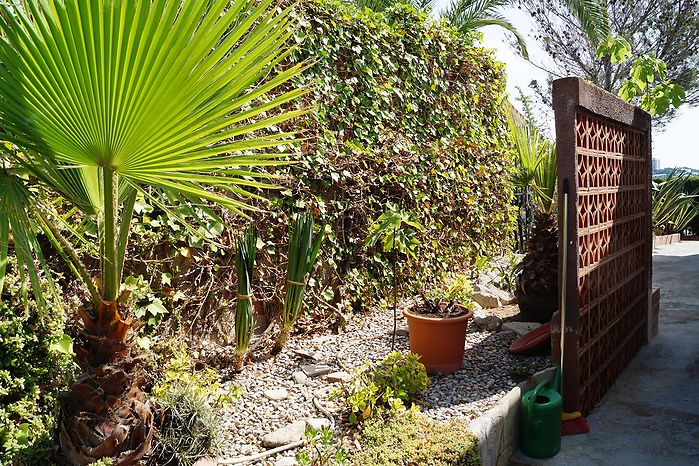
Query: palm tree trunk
{"x": 108, "y": 236}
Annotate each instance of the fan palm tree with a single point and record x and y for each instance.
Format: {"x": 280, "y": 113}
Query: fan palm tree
{"x": 101, "y": 100}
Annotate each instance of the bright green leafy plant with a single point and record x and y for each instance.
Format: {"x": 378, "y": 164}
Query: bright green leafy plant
{"x": 397, "y": 232}
{"x": 449, "y": 300}
{"x": 245, "y": 263}
{"x": 101, "y": 101}
{"x": 648, "y": 83}
{"x": 459, "y": 291}
{"x": 394, "y": 381}
{"x": 303, "y": 252}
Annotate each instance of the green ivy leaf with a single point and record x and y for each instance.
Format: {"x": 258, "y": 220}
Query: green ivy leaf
{"x": 63, "y": 345}
{"x": 156, "y": 308}
{"x": 615, "y": 47}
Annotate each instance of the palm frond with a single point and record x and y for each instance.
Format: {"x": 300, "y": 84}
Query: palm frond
{"x": 536, "y": 164}
{"x": 468, "y": 15}
{"x": 16, "y": 226}
{"x": 425, "y": 4}
{"x": 152, "y": 94}
{"x": 592, "y": 16}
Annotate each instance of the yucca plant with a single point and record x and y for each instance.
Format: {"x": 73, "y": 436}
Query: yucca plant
{"x": 303, "y": 252}
{"x": 245, "y": 263}
{"x": 673, "y": 208}
{"x": 101, "y": 100}
{"x": 537, "y": 273}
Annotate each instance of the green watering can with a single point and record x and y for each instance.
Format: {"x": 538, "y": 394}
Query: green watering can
{"x": 541, "y": 421}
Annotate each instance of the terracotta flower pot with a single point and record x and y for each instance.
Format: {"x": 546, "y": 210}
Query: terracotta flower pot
{"x": 438, "y": 340}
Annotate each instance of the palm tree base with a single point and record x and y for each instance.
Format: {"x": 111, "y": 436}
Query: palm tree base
{"x": 104, "y": 413}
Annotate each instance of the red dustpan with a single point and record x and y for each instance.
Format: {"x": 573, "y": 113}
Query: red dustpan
{"x": 537, "y": 338}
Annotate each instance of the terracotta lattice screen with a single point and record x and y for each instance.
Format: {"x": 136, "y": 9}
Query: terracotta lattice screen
{"x": 604, "y": 154}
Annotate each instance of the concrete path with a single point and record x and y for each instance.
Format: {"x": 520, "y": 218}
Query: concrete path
{"x": 651, "y": 415}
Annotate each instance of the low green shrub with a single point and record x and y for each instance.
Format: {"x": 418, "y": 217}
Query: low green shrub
{"x": 406, "y": 437}
{"x": 394, "y": 382}
{"x": 192, "y": 402}
{"x": 34, "y": 368}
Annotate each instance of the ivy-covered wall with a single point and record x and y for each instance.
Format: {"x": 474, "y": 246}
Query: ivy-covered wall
{"x": 407, "y": 112}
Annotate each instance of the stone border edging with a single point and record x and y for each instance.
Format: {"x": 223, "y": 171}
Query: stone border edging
{"x": 498, "y": 429}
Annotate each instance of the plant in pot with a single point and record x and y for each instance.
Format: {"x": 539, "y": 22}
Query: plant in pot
{"x": 437, "y": 325}
{"x": 537, "y": 273}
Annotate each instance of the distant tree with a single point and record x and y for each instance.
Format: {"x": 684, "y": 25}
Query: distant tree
{"x": 666, "y": 29}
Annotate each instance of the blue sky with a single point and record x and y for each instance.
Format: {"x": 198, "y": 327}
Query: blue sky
{"x": 672, "y": 147}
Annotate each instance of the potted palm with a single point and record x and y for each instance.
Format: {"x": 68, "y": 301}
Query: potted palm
{"x": 537, "y": 273}
{"x": 437, "y": 325}
{"x": 101, "y": 101}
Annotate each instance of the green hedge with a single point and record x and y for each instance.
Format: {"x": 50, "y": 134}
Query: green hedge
{"x": 405, "y": 111}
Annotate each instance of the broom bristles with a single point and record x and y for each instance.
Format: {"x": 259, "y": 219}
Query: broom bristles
{"x": 575, "y": 426}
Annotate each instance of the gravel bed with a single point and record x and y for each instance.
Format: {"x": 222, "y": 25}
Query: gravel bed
{"x": 468, "y": 393}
